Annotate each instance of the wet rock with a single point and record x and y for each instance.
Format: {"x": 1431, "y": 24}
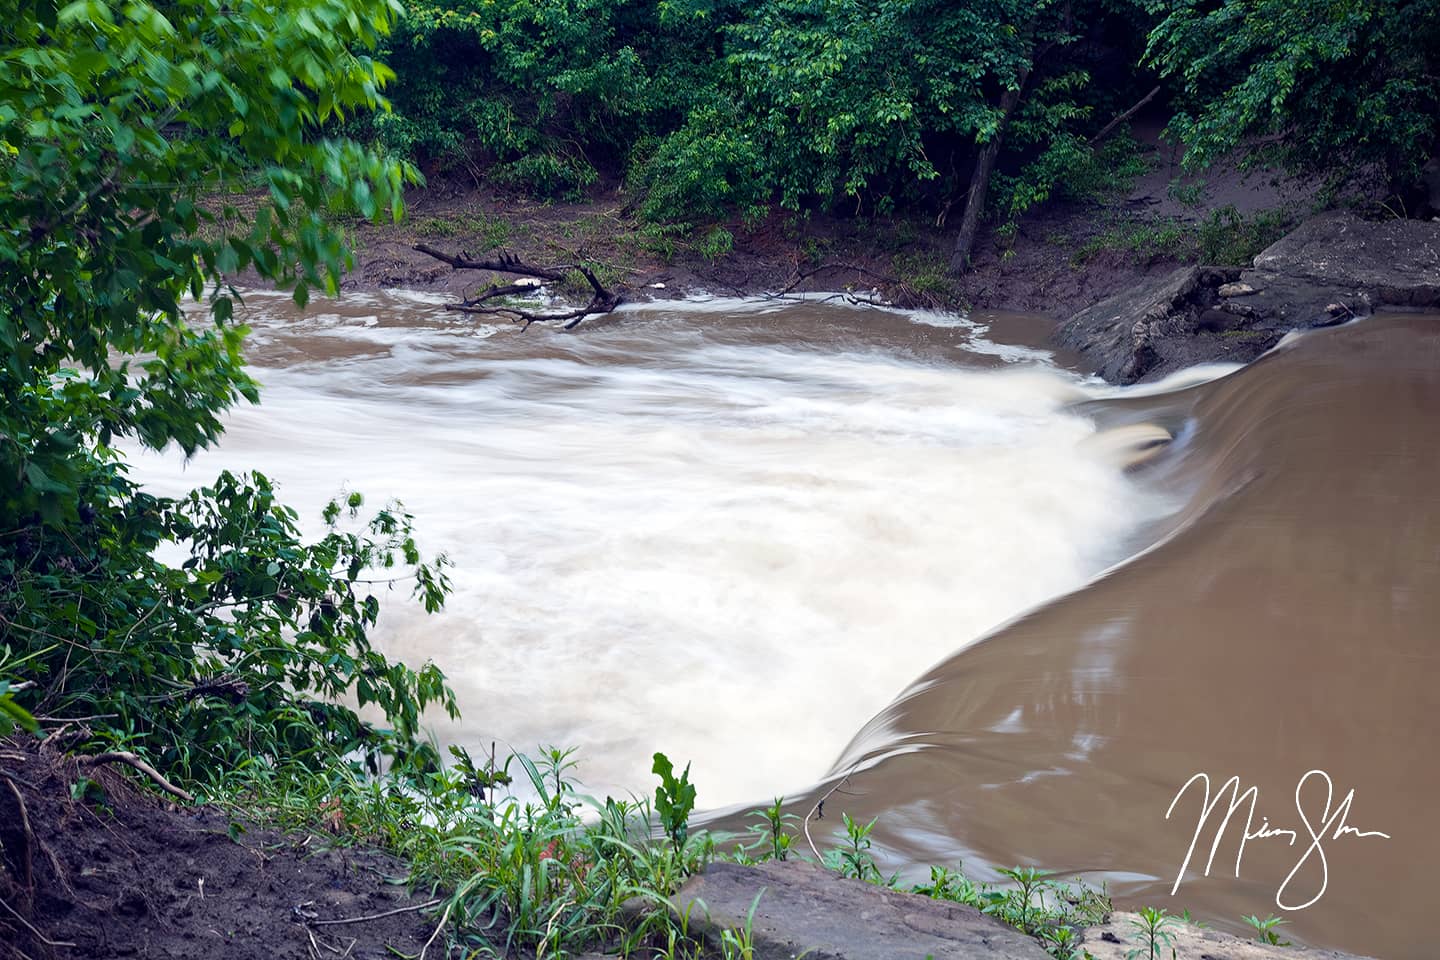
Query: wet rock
{"x": 1130, "y": 335}
{"x": 1331, "y": 268}
{"x": 1119, "y": 938}
{"x": 1340, "y": 259}
{"x": 806, "y": 909}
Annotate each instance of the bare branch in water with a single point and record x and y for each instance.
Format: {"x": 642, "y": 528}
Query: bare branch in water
{"x": 602, "y": 300}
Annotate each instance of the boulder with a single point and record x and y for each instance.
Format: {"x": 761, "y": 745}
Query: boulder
{"x": 804, "y": 909}
{"x": 1118, "y": 939}
{"x": 1136, "y": 333}
{"x": 1332, "y": 268}
{"x": 1337, "y": 258}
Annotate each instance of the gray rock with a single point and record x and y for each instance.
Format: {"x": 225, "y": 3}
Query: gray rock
{"x": 1116, "y": 939}
{"x": 1337, "y": 258}
{"x": 806, "y": 909}
{"x": 1331, "y": 268}
{"x": 1128, "y": 336}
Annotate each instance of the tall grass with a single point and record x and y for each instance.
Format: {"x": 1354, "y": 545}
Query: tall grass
{"x": 531, "y": 865}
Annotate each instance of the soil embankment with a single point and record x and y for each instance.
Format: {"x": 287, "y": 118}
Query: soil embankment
{"x": 118, "y": 874}
{"x": 1057, "y": 262}
{"x": 1126, "y": 289}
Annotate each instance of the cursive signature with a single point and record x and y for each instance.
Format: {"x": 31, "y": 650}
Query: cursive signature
{"x": 1329, "y": 825}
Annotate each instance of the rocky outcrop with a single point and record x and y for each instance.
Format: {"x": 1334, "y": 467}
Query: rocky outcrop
{"x": 1121, "y": 937}
{"x": 1332, "y": 268}
{"x": 805, "y": 910}
{"x": 790, "y": 910}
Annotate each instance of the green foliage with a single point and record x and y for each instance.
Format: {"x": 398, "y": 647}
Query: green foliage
{"x": 543, "y": 873}
{"x": 1223, "y": 237}
{"x": 1154, "y": 925}
{"x": 203, "y": 631}
{"x": 739, "y": 943}
{"x": 716, "y": 243}
{"x": 853, "y": 857}
{"x": 12, "y": 715}
{"x": 545, "y": 89}
{"x": 549, "y": 872}
{"x": 1037, "y": 904}
{"x": 711, "y": 165}
{"x": 1265, "y": 930}
{"x": 674, "y": 801}
{"x": 772, "y": 841}
{"x": 851, "y": 100}
{"x": 551, "y": 175}
{"x": 480, "y": 232}
{"x": 1028, "y": 880}
{"x": 1068, "y": 167}
{"x": 1320, "y": 88}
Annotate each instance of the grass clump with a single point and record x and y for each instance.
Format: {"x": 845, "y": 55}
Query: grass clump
{"x": 488, "y": 233}
{"x": 520, "y": 861}
{"x": 1225, "y": 237}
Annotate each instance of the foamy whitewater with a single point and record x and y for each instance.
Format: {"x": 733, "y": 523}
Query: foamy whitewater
{"x": 725, "y": 532}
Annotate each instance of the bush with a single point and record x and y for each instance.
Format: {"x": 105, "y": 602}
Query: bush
{"x": 547, "y": 175}
{"x": 703, "y": 170}
{"x": 202, "y": 631}
{"x": 1334, "y": 89}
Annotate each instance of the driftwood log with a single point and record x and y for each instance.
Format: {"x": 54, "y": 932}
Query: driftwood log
{"x": 488, "y": 301}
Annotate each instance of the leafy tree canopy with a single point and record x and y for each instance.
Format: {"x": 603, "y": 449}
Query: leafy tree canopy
{"x": 125, "y": 130}
{"x": 1334, "y": 88}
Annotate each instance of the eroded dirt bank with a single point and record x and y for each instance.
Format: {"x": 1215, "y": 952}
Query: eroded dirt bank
{"x": 119, "y": 874}
{"x": 1126, "y": 291}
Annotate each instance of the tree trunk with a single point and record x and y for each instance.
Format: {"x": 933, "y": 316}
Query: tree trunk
{"x": 980, "y": 181}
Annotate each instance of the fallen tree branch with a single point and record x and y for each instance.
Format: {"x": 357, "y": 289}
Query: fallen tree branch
{"x": 444, "y": 918}
{"x": 133, "y": 761}
{"x": 802, "y": 275}
{"x": 602, "y": 300}
{"x": 376, "y": 916}
{"x": 1106, "y": 130}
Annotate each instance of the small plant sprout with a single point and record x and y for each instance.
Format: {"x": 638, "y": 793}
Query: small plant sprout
{"x": 674, "y": 801}
{"x": 854, "y": 859}
{"x": 1153, "y": 925}
{"x": 1030, "y": 881}
{"x": 1185, "y": 917}
{"x": 739, "y": 943}
{"x": 1265, "y": 929}
{"x": 774, "y": 842}
{"x": 1061, "y": 942}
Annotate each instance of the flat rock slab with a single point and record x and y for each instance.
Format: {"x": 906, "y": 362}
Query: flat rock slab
{"x": 806, "y": 910}
{"x": 1118, "y": 938}
{"x": 1331, "y": 268}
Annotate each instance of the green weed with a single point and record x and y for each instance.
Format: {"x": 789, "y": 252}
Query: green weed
{"x": 1265, "y": 929}
{"x": 773, "y": 842}
{"x": 1153, "y": 926}
{"x": 674, "y": 801}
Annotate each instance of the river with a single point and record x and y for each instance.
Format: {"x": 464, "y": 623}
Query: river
{"x": 739, "y": 533}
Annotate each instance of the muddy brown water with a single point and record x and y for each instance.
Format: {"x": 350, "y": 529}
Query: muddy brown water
{"x": 735, "y": 533}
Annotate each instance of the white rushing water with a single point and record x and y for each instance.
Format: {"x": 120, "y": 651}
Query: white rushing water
{"x": 730, "y": 534}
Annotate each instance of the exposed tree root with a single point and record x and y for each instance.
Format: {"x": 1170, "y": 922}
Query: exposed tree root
{"x": 131, "y": 760}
